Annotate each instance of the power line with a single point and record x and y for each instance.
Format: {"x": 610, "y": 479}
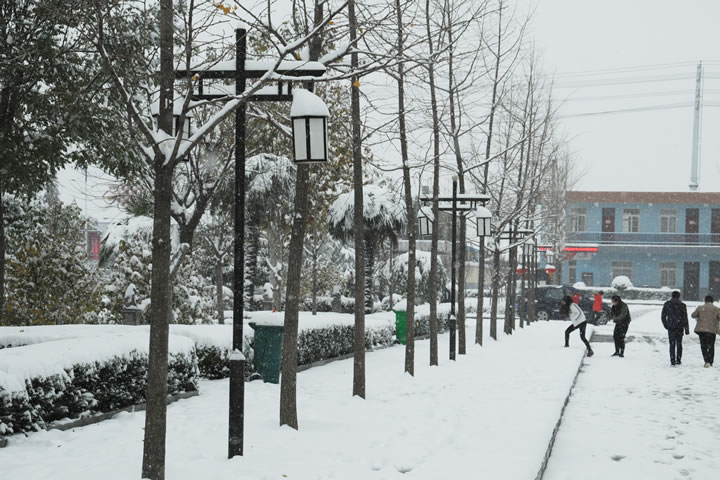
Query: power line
{"x": 630, "y": 110}
{"x": 631, "y": 95}
{"x": 602, "y": 82}
{"x": 628, "y": 69}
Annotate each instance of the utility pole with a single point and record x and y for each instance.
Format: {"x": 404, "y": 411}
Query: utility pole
{"x": 695, "y": 165}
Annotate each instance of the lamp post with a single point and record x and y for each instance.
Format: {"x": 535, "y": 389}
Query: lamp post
{"x": 525, "y": 234}
{"x": 513, "y": 234}
{"x": 308, "y": 148}
{"x": 549, "y": 263}
{"x": 464, "y": 202}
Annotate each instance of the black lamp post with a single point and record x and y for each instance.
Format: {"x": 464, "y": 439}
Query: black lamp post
{"x": 464, "y": 203}
{"x": 307, "y": 147}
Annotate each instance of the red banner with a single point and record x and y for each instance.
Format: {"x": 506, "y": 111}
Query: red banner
{"x": 93, "y": 243}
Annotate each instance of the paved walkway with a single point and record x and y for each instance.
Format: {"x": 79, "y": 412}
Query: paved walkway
{"x": 639, "y": 418}
{"x": 489, "y": 415}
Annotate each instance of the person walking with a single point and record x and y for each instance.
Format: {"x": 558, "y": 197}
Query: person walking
{"x": 675, "y": 320}
{"x": 620, "y": 314}
{"x": 571, "y": 310}
{"x": 708, "y": 325}
{"x": 597, "y": 306}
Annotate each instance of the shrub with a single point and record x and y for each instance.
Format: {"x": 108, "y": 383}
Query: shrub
{"x": 88, "y": 388}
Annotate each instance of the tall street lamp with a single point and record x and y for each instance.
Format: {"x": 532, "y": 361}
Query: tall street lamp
{"x": 309, "y": 120}
{"x": 464, "y": 203}
{"x": 512, "y": 234}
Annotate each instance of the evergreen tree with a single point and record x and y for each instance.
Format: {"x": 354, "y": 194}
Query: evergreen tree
{"x": 48, "y": 279}
{"x": 53, "y": 103}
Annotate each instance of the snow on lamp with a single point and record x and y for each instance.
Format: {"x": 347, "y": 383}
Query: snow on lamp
{"x": 549, "y": 256}
{"x": 425, "y": 221}
{"x": 309, "y": 116}
{"x": 484, "y": 218}
{"x": 187, "y": 128}
{"x": 550, "y": 269}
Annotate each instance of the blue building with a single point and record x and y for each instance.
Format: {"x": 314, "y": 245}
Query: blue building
{"x": 657, "y": 239}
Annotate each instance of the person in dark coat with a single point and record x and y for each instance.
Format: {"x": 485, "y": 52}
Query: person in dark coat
{"x": 675, "y": 320}
{"x": 620, "y": 314}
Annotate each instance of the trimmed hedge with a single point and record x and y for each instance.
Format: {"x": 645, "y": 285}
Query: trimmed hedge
{"x": 98, "y": 387}
{"x": 89, "y": 388}
{"x": 317, "y": 344}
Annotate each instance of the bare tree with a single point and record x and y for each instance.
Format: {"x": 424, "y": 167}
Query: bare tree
{"x": 432, "y": 58}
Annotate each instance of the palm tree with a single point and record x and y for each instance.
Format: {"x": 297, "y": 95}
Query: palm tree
{"x": 384, "y": 215}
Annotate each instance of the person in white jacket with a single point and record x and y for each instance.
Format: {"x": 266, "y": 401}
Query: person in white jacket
{"x": 573, "y": 312}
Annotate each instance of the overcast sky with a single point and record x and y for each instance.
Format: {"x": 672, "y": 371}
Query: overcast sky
{"x": 637, "y": 55}
{"x": 611, "y": 49}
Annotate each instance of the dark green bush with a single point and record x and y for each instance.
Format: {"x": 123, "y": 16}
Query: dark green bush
{"x": 89, "y": 388}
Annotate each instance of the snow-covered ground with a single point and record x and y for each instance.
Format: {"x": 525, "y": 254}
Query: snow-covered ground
{"x": 638, "y": 417}
{"x": 488, "y": 415}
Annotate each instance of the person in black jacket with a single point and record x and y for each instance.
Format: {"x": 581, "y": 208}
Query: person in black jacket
{"x": 675, "y": 320}
{"x": 621, "y": 316}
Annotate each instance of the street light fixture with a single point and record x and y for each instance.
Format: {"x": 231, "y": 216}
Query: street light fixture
{"x": 484, "y": 222}
{"x": 177, "y": 108}
{"x": 309, "y": 116}
{"x": 425, "y": 221}
{"x": 240, "y": 70}
{"x": 462, "y": 202}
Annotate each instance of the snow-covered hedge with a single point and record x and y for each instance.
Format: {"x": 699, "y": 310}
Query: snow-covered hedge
{"x": 46, "y": 382}
{"x": 632, "y": 293}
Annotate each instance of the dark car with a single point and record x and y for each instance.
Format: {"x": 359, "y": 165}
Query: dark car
{"x": 549, "y": 297}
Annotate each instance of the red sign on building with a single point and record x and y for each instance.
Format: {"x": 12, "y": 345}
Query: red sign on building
{"x": 93, "y": 243}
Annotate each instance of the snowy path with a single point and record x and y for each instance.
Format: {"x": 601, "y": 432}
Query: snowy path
{"x": 488, "y": 415}
{"x": 638, "y": 417}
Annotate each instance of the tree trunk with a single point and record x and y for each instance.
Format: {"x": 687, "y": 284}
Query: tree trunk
{"x": 523, "y": 290}
{"x": 358, "y": 214}
{"x": 461, "y": 289}
{"x": 409, "y": 209}
{"x": 481, "y": 298}
{"x": 510, "y": 295}
{"x": 488, "y": 147}
{"x": 531, "y": 289}
{"x": 2, "y": 257}
{"x": 156, "y": 395}
{"x": 314, "y": 277}
{"x": 369, "y": 265}
{"x": 495, "y": 291}
{"x": 288, "y": 381}
{"x": 251, "y": 254}
{"x": 153, "y": 464}
{"x": 433, "y": 281}
{"x": 219, "y": 303}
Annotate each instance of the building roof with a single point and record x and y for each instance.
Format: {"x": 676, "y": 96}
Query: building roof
{"x": 643, "y": 197}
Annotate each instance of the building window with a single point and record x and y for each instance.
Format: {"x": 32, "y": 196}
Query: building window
{"x": 631, "y": 220}
{"x": 572, "y": 271}
{"x": 668, "y": 275}
{"x": 578, "y": 219}
{"x": 668, "y": 220}
{"x": 621, "y": 268}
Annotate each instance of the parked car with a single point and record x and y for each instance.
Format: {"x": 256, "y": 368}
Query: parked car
{"x": 549, "y": 297}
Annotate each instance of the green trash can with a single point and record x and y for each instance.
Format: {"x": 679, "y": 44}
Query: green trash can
{"x": 401, "y": 325}
{"x": 268, "y": 351}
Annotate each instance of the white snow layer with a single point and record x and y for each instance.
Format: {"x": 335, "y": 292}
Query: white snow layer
{"x": 54, "y": 357}
{"x": 490, "y": 414}
{"x": 305, "y": 103}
